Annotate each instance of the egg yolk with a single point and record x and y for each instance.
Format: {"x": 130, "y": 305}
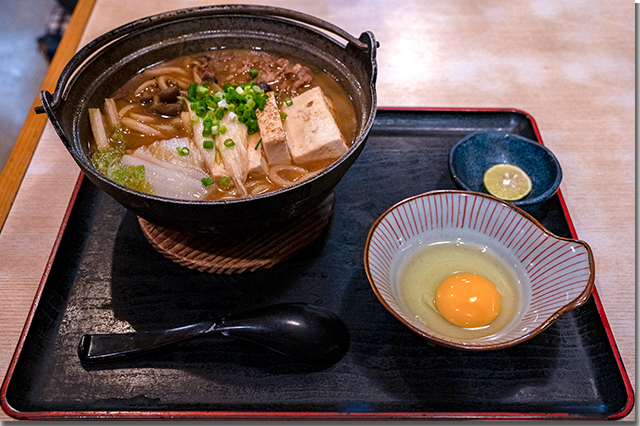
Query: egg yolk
{"x": 468, "y": 300}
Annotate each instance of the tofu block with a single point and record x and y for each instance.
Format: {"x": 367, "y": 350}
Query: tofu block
{"x": 217, "y": 171}
{"x": 312, "y": 131}
{"x": 257, "y": 163}
{"x": 274, "y": 138}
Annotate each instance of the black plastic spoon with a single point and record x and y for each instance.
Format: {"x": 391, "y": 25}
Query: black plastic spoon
{"x": 307, "y": 333}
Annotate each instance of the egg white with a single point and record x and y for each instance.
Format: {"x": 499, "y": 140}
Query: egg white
{"x": 423, "y": 264}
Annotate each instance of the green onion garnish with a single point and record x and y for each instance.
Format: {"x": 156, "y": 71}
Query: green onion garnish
{"x": 288, "y": 101}
{"x": 207, "y": 144}
{"x": 183, "y": 150}
{"x": 208, "y": 125}
{"x": 225, "y": 181}
{"x": 201, "y": 91}
{"x": 253, "y": 73}
{"x": 191, "y": 94}
{"x": 283, "y": 116}
{"x": 243, "y": 100}
{"x": 229, "y": 143}
{"x": 200, "y": 108}
{"x": 258, "y": 144}
{"x": 206, "y": 181}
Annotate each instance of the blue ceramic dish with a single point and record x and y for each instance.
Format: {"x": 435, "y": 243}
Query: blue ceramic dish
{"x": 476, "y": 152}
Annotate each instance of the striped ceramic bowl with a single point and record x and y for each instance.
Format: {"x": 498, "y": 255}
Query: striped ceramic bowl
{"x": 555, "y": 275}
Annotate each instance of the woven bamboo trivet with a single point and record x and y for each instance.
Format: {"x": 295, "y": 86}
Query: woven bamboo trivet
{"x": 228, "y": 255}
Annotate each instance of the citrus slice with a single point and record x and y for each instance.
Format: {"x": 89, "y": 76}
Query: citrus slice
{"x": 507, "y": 181}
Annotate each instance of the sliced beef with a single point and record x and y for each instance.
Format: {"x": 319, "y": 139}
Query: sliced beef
{"x": 169, "y": 95}
{"x": 170, "y": 110}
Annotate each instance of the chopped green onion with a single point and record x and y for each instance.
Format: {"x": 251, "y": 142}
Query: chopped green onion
{"x": 220, "y": 113}
{"x": 202, "y": 91}
{"x": 211, "y": 104}
{"x": 283, "y": 116}
{"x": 251, "y": 122}
{"x": 258, "y": 144}
{"x": 206, "y": 181}
{"x": 253, "y": 73}
{"x": 243, "y": 100}
{"x": 200, "y": 108}
{"x": 208, "y": 124}
{"x": 183, "y": 150}
{"x": 229, "y": 143}
{"x": 225, "y": 181}
{"x": 191, "y": 94}
{"x": 288, "y": 101}
{"x": 207, "y": 144}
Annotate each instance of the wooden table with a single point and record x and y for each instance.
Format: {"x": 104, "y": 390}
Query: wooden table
{"x": 570, "y": 64}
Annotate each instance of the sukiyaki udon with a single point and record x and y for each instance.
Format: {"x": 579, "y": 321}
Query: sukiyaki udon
{"x": 223, "y": 124}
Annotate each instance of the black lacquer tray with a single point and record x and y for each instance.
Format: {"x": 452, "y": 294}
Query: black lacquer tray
{"x": 105, "y": 277}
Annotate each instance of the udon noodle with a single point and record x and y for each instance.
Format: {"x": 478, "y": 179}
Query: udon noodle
{"x": 222, "y": 124}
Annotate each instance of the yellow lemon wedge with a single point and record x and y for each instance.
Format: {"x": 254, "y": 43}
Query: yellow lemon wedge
{"x": 507, "y": 181}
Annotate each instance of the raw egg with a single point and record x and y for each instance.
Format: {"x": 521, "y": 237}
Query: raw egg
{"x": 483, "y": 294}
{"x": 468, "y": 300}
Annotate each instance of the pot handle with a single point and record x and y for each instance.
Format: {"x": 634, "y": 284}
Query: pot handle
{"x": 304, "y": 18}
{"x": 47, "y": 106}
{"x": 92, "y": 47}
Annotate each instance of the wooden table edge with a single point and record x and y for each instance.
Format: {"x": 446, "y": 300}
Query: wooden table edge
{"x": 31, "y": 132}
